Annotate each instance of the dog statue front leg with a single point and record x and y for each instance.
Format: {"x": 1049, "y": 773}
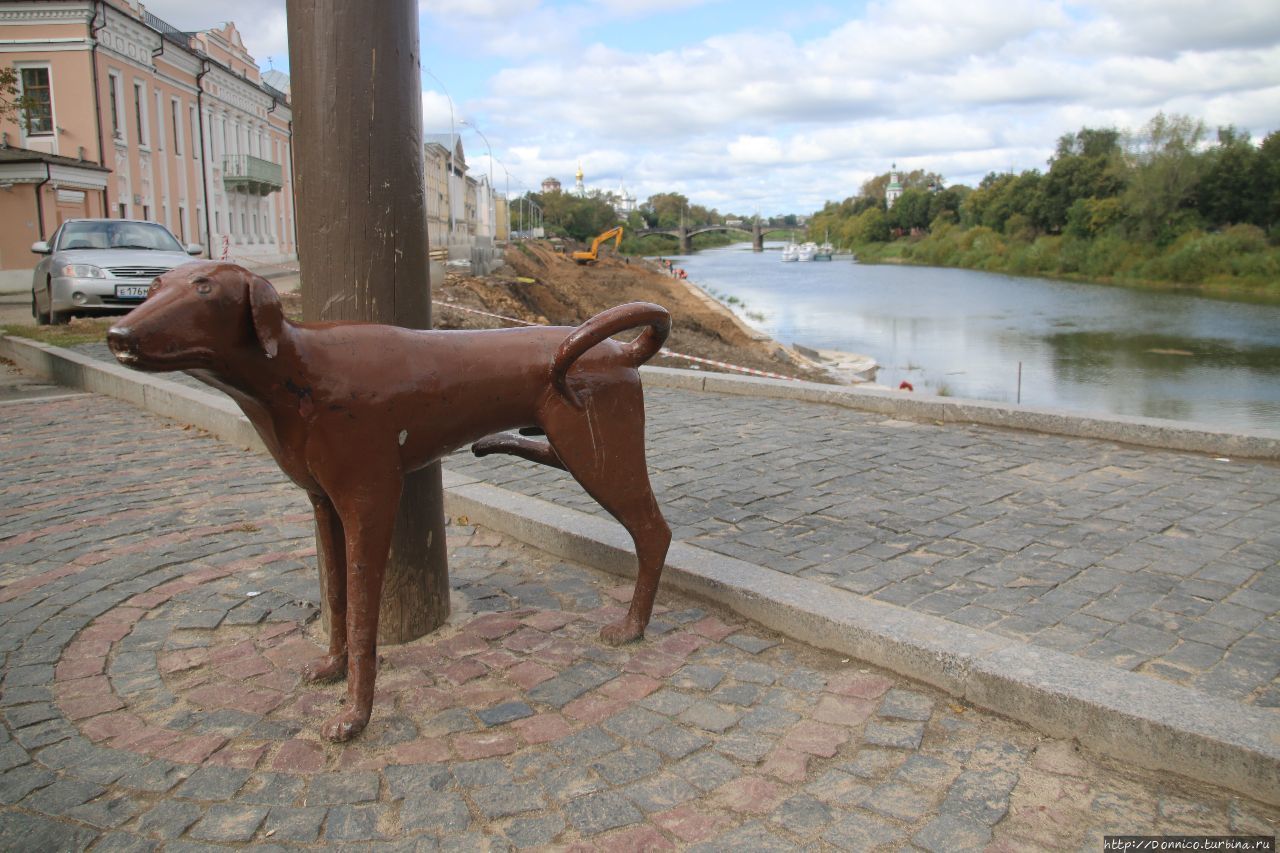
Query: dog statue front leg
{"x": 368, "y": 513}
{"x": 333, "y": 563}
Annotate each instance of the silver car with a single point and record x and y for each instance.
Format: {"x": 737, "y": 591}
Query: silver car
{"x": 101, "y": 266}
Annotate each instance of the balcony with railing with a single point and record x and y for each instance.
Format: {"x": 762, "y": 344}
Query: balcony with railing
{"x": 248, "y": 174}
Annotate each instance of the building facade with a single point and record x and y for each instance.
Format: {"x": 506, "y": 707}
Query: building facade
{"x": 186, "y": 130}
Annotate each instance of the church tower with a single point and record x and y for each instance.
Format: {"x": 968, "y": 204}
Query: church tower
{"x": 894, "y": 189}
{"x": 579, "y": 188}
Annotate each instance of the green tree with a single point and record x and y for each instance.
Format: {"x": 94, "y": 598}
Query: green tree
{"x": 1266, "y": 183}
{"x": 1225, "y": 194}
{"x": 1086, "y": 164}
{"x": 1159, "y": 201}
{"x": 665, "y": 210}
{"x": 12, "y": 102}
{"x": 911, "y": 210}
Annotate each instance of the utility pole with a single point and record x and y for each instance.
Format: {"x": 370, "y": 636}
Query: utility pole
{"x": 362, "y": 235}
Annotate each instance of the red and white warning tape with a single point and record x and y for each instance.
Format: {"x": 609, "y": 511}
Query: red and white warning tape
{"x": 663, "y": 351}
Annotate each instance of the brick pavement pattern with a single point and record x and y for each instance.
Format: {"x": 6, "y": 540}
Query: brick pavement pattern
{"x": 159, "y": 592}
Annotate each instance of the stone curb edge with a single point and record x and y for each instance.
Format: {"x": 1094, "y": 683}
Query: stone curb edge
{"x": 1147, "y": 432}
{"x": 1130, "y": 716}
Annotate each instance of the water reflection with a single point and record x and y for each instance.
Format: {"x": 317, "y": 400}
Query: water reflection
{"x": 963, "y": 332}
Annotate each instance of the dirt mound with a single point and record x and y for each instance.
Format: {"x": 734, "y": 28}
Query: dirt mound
{"x": 541, "y": 285}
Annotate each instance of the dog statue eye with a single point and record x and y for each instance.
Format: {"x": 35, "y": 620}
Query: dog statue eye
{"x": 203, "y": 287}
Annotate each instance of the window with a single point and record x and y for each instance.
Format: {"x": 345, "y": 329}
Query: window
{"x": 114, "y": 87}
{"x": 38, "y": 116}
{"x": 195, "y": 135}
{"x": 140, "y": 113}
{"x": 182, "y": 223}
{"x": 177, "y": 129}
{"x": 146, "y": 212}
{"x": 217, "y": 221}
{"x": 124, "y": 211}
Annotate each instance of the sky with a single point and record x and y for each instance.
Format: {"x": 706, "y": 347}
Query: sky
{"x": 777, "y": 107}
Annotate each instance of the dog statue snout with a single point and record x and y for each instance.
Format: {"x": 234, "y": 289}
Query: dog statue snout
{"x": 121, "y": 342}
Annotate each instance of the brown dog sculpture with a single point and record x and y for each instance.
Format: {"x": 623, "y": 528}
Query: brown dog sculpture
{"x": 347, "y": 409}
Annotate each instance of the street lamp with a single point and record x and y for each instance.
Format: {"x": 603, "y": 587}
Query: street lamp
{"x": 452, "y": 134}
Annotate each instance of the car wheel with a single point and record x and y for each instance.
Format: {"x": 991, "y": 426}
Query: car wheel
{"x": 42, "y": 319}
{"x": 58, "y": 318}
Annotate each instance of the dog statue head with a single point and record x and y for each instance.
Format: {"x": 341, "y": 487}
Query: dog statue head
{"x": 196, "y": 316}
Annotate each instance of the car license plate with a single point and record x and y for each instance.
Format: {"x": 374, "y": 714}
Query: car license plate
{"x": 132, "y": 291}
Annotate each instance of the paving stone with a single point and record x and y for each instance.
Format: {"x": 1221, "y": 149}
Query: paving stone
{"x": 342, "y": 788}
{"x": 20, "y": 831}
{"x": 980, "y": 795}
{"x": 226, "y": 824}
{"x": 599, "y": 812}
{"x": 273, "y": 789}
{"x": 860, "y": 832}
{"x": 505, "y": 713}
{"x": 697, "y": 677}
{"x": 213, "y": 783}
{"x": 61, "y": 796}
{"x": 948, "y": 833}
{"x": 353, "y": 823}
{"x": 156, "y": 776}
{"x": 897, "y": 801}
{"x": 706, "y": 770}
{"x": 486, "y": 771}
{"x": 585, "y": 745}
{"x": 906, "y": 705}
{"x": 674, "y": 741}
{"x": 417, "y": 780}
{"x": 802, "y": 815}
{"x": 709, "y": 717}
{"x": 539, "y": 831}
{"x": 299, "y": 825}
{"x": 627, "y": 764}
{"x": 895, "y": 735}
{"x": 499, "y": 801}
{"x": 169, "y": 819}
{"x": 106, "y": 812}
{"x": 21, "y": 781}
{"x": 445, "y": 813}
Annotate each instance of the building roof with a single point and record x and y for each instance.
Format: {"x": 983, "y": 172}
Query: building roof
{"x": 9, "y": 154}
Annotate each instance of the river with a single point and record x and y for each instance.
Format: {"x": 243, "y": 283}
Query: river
{"x": 1086, "y": 347}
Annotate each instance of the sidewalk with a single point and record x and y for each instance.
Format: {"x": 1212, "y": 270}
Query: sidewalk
{"x": 160, "y": 591}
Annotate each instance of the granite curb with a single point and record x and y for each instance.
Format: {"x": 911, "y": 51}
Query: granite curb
{"x": 1133, "y": 717}
{"x": 1145, "y": 432}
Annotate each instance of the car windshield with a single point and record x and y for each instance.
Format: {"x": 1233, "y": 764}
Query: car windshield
{"x": 117, "y": 235}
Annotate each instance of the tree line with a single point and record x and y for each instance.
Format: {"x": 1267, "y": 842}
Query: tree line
{"x": 1162, "y": 204}
{"x": 567, "y": 214}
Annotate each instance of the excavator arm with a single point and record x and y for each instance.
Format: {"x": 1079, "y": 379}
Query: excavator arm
{"x": 593, "y": 254}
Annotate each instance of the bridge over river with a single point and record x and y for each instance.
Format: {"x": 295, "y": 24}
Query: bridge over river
{"x": 686, "y": 233}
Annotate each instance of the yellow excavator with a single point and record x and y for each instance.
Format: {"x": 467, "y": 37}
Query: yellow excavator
{"x": 593, "y": 254}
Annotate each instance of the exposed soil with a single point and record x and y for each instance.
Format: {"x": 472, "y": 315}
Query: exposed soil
{"x": 542, "y": 285}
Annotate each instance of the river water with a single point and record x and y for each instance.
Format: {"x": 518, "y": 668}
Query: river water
{"x": 1086, "y": 347}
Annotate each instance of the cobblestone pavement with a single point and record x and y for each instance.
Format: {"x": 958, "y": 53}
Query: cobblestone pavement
{"x": 1163, "y": 562}
{"x": 159, "y": 594}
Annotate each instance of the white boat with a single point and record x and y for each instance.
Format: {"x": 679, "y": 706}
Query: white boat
{"x": 791, "y": 252}
{"x": 807, "y": 251}
{"x": 824, "y": 253}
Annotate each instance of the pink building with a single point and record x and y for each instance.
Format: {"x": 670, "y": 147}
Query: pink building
{"x": 135, "y": 119}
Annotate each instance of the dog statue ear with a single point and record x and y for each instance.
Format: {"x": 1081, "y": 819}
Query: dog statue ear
{"x": 268, "y": 315}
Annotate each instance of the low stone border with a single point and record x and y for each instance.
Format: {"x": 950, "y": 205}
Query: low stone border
{"x": 1146, "y": 432}
{"x": 1134, "y": 717}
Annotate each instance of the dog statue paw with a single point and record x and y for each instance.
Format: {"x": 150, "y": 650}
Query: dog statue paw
{"x": 345, "y": 725}
{"x": 324, "y": 669}
{"x": 625, "y": 630}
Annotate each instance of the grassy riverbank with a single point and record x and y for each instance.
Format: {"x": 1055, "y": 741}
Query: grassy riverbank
{"x": 1234, "y": 263}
